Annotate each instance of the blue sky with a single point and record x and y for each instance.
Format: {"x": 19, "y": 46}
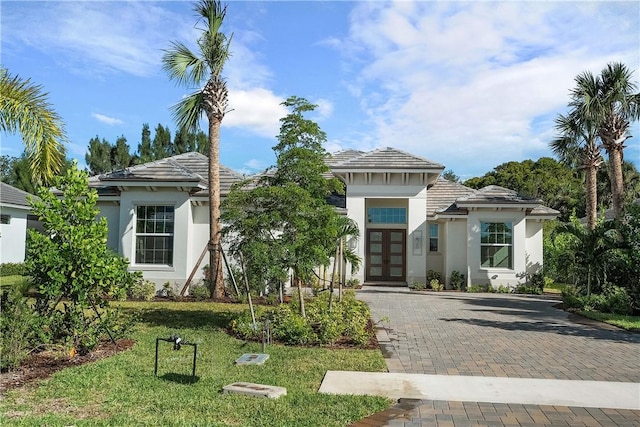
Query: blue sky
{"x": 470, "y": 85}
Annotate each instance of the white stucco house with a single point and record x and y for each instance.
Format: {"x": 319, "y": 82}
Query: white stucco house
{"x": 411, "y": 220}
{"x": 14, "y": 211}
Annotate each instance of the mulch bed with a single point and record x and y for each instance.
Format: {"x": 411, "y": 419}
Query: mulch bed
{"x": 42, "y": 365}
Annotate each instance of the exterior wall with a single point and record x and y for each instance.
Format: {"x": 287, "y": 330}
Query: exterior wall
{"x": 497, "y": 276}
{"x": 177, "y": 273}
{"x": 411, "y": 196}
{"x": 111, "y": 211}
{"x": 455, "y": 248}
{"x": 534, "y": 247}
{"x": 13, "y": 236}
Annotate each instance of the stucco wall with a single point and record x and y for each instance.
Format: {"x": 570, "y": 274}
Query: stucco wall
{"x": 177, "y": 273}
{"x": 111, "y": 211}
{"x": 497, "y": 276}
{"x": 534, "y": 246}
{"x": 455, "y": 233}
{"x": 13, "y": 235}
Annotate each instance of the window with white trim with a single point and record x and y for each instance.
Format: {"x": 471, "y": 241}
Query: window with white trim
{"x": 433, "y": 237}
{"x": 154, "y": 234}
{"x": 496, "y": 244}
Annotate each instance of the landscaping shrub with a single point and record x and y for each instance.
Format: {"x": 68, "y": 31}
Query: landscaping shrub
{"x": 537, "y": 283}
{"x": 142, "y": 289}
{"x": 457, "y": 281}
{"x": 617, "y": 300}
{"x": 200, "y": 291}
{"x": 12, "y": 269}
{"x": 529, "y": 289}
{"x": 436, "y": 285}
{"x": 352, "y": 283}
{"x": 431, "y": 274}
{"x": 21, "y": 329}
{"x": 418, "y": 286}
{"x": 347, "y": 321}
{"x": 571, "y": 297}
{"x": 502, "y": 289}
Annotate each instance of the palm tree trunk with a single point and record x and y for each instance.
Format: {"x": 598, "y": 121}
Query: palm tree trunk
{"x": 216, "y": 282}
{"x": 617, "y": 183}
{"x": 592, "y": 196}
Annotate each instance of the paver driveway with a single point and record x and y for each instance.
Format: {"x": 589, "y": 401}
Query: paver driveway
{"x": 498, "y": 335}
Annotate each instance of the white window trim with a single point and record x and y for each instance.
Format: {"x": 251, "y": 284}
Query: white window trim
{"x": 512, "y": 245}
{"x": 149, "y": 266}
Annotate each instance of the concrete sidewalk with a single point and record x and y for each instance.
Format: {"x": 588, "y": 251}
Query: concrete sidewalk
{"x": 525, "y": 391}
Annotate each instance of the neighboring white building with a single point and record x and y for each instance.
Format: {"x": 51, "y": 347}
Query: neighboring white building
{"x": 411, "y": 220}
{"x": 14, "y": 209}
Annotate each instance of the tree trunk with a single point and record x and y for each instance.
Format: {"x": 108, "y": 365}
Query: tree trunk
{"x": 216, "y": 281}
{"x": 333, "y": 275}
{"x": 303, "y": 312}
{"x": 617, "y": 182}
{"x": 592, "y": 196}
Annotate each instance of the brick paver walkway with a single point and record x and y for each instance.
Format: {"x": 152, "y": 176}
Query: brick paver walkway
{"x": 500, "y": 336}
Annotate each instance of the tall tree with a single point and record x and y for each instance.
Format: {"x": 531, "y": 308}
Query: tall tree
{"x": 144, "y": 148}
{"x": 161, "y": 145}
{"x": 98, "y": 156}
{"x": 192, "y": 70}
{"x": 577, "y": 145}
{"x": 120, "y": 155}
{"x": 609, "y": 103}
{"x": 24, "y": 108}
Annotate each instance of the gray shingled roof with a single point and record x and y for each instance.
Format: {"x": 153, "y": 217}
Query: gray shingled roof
{"x": 386, "y": 158}
{"x": 494, "y": 194}
{"x": 182, "y": 168}
{"x": 450, "y": 198}
{"x": 13, "y": 196}
{"x": 342, "y": 156}
{"x": 442, "y": 195}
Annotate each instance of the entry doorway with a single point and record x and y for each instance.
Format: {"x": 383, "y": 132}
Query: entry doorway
{"x": 386, "y": 255}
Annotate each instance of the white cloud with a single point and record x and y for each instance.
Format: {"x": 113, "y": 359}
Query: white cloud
{"x": 477, "y": 84}
{"x": 324, "y": 109}
{"x": 96, "y": 37}
{"x": 112, "y": 121}
{"x": 257, "y": 110}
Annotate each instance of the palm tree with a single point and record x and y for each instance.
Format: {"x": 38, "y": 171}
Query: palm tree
{"x": 192, "y": 70}
{"x": 590, "y": 246}
{"x": 24, "y": 108}
{"x": 577, "y": 143}
{"x": 346, "y": 227}
{"x": 612, "y": 108}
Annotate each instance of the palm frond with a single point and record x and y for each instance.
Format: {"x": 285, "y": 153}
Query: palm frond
{"x": 24, "y": 108}
{"x": 184, "y": 66}
{"x": 188, "y": 111}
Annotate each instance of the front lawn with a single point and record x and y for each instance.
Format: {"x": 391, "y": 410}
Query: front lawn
{"x": 122, "y": 389}
{"x": 630, "y": 323}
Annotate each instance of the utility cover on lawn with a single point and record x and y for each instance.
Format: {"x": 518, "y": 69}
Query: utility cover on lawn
{"x": 252, "y": 359}
{"x": 258, "y": 390}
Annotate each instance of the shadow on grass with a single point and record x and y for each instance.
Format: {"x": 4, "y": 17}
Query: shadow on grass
{"x": 176, "y": 318}
{"x": 179, "y": 378}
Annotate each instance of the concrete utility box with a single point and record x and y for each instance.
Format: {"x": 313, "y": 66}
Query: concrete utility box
{"x": 258, "y": 390}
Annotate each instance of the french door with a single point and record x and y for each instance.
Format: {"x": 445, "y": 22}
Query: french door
{"x": 386, "y": 255}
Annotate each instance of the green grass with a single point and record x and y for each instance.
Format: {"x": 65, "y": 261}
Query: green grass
{"x": 122, "y": 389}
{"x": 10, "y": 281}
{"x": 630, "y": 323}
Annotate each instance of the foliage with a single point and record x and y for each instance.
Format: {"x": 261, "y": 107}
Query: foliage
{"x": 436, "y": 285}
{"x": 536, "y": 281}
{"x": 121, "y": 390}
{"x": 12, "y": 269}
{"x": 487, "y": 288}
{"x": 283, "y": 223}
{"x": 200, "y": 291}
{"x": 587, "y": 251}
{"x": 346, "y": 322}
{"x": 20, "y": 329}
{"x": 546, "y": 179}
{"x": 418, "y": 286}
{"x": 71, "y": 262}
{"x": 614, "y": 299}
{"x": 527, "y": 289}
{"x": 629, "y": 323}
{"x": 142, "y": 289}
{"x": 203, "y": 69}
{"x": 431, "y": 275}
{"x": 352, "y": 283}
{"x": 16, "y": 171}
{"x": 457, "y": 281}
{"x": 24, "y": 108}
{"x": 502, "y": 289}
